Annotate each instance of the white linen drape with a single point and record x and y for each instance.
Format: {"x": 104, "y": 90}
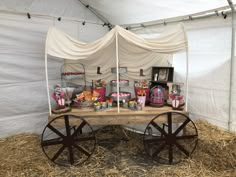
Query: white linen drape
{"x": 59, "y": 44}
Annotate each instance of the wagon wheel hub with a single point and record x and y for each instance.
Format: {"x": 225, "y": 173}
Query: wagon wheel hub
{"x": 68, "y": 141}
{"x": 170, "y": 139}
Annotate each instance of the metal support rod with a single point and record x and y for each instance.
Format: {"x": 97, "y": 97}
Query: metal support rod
{"x": 46, "y": 75}
{"x": 187, "y": 69}
{"x": 231, "y": 67}
{"x": 117, "y": 73}
{"x": 103, "y": 19}
{"x": 203, "y": 15}
{"x": 47, "y": 16}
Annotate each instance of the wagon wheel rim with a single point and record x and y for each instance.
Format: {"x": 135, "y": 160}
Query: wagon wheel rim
{"x": 169, "y": 142}
{"x": 68, "y": 144}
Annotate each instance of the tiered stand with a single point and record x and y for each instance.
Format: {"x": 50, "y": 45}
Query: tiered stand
{"x": 68, "y": 138}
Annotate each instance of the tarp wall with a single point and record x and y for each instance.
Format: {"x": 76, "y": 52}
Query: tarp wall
{"x": 23, "y": 97}
{"x": 209, "y": 69}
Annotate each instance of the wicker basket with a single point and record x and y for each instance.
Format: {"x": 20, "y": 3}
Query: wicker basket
{"x": 60, "y": 110}
{"x": 85, "y": 105}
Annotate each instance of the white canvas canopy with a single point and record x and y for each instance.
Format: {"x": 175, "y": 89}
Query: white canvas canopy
{"x": 130, "y": 50}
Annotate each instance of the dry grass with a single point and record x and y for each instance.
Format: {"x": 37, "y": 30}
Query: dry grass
{"x": 21, "y": 155}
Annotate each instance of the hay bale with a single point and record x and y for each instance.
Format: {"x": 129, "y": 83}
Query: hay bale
{"x": 216, "y": 149}
{"x": 21, "y": 155}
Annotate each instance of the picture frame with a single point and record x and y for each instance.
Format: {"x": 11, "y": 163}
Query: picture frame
{"x": 163, "y": 74}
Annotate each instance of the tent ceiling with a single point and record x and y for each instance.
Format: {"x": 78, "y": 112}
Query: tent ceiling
{"x": 117, "y": 12}
{"x": 57, "y": 8}
{"x": 138, "y": 11}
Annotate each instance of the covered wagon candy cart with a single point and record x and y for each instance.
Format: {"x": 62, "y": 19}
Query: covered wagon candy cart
{"x": 69, "y": 139}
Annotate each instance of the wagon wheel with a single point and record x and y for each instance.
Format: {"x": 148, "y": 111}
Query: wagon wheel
{"x": 170, "y": 137}
{"x": 68, "y": 140}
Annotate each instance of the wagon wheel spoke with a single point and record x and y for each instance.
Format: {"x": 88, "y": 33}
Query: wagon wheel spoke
{"x": 71, "y": 155}
{"x": 184, "y": 137}
{"x": 181, "y": 127}
{"x": 80, "y": 139}
{"x": 55, "y": 131}
{"x": 159, "y": 149}
{"x": 58, "y": 153}
{"x": 154, "y": 140}
{"x": 51, "y": 142}
{"x": 170, "y": 153}
{"x": 158, "y": 128}
{"x": 79, "y": 128}
{"x": 67, "y": 126}
{"x": 73, "y": 127}
{"x": 169, "y": 120}
{"x": 81, "y": 149}
{"x": 181, "y": 148}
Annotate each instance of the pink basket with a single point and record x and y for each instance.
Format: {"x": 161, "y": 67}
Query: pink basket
{"x": 138, "y": 89}
{"x": 102, "y": 93}
{"x": 157, "y": 95}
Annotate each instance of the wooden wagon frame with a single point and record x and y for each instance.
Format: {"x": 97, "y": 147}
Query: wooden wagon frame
{"x": 69, "y": 139}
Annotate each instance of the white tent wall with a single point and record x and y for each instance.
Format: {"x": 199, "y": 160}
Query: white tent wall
{"x": 209, "y": 68}
{"x": 24, "y": 105}
{"x": 233, "y": 92}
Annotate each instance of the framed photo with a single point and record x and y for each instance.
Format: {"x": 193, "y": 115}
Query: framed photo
{"x": 163, "y": 74}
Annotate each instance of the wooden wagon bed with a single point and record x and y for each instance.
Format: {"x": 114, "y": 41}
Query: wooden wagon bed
{"x": 126, "y": 116}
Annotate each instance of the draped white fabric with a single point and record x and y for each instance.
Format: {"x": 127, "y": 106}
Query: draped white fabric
{"x": 134, "y": 52}
{"x": 62, "y": 45}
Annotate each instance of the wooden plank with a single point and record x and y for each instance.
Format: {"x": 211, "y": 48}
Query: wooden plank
{"x": 113, "y": 112}
{"x": 112, "y": 117}
{"x": 118, "y": 120}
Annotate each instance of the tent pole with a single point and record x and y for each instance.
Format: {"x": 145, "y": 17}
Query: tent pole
{"x": 46, "y": 73}
{"x": 187, "y": 66}
{"x": 117, "y": 73}
{"x": 98, "y": 15}
{"x": 231, "y": 67}
{"x": 186, "y": 87}
{"x": 190, "y": 17}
